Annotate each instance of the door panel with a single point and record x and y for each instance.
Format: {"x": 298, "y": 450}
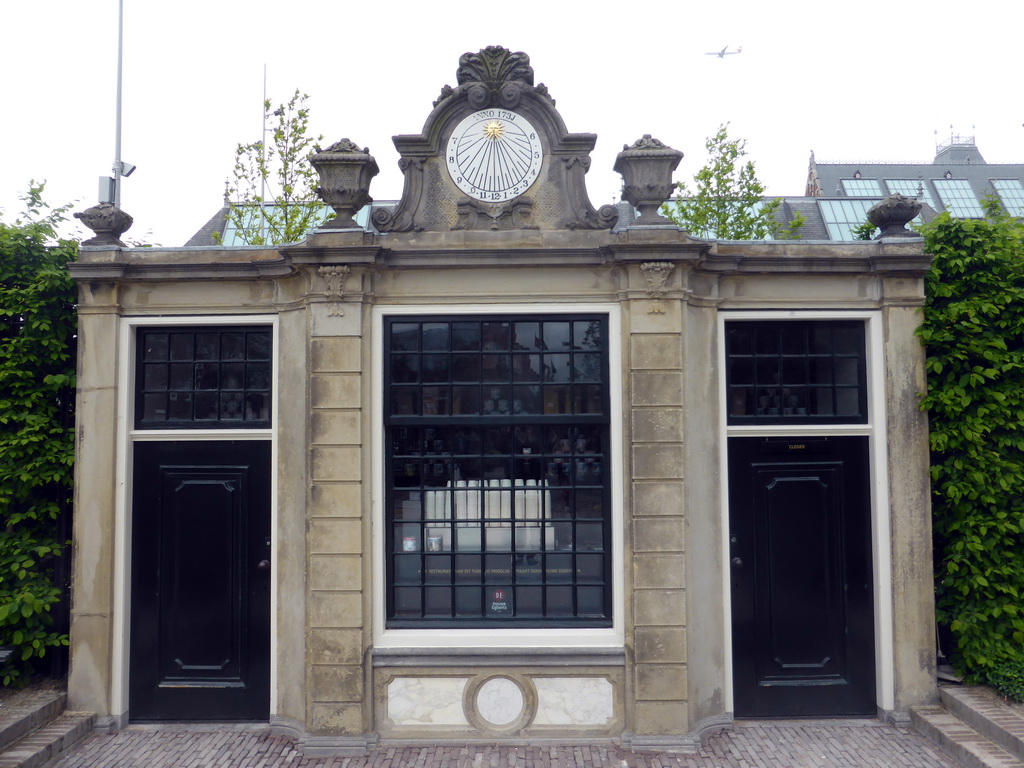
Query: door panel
{"x": 802, "y": 612}
{"x": 200, "y": 581}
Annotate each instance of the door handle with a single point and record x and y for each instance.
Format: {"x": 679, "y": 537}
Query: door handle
{"x": 263, "y": 565}
{"x": 737, "y": 562}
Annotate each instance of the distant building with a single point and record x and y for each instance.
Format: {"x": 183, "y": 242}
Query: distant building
{"x": 838, "y": 195}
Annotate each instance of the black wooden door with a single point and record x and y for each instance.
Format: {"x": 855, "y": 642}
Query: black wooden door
{"x": 200, "y": 622}
{"x": 802, "y": 610}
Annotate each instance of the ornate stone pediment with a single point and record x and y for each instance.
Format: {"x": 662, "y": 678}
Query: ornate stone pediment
{"x": 496, "y": 86}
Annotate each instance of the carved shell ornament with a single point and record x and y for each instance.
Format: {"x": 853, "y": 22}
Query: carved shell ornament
{"x": 494, "y": 76}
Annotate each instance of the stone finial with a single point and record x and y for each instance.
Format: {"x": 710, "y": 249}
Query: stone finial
{"x": 108, "y": 222}
{"x": 892, "y": 215}
{"x": 646, "y": 169}
{"x": 345, "y": 145}
{"x": 345, "y": 173}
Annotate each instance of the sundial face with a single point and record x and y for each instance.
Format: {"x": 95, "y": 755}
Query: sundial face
{"x": 494, "y": 155}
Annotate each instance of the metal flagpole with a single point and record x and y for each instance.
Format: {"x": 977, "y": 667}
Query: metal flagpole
{"x": 117, "y": 120}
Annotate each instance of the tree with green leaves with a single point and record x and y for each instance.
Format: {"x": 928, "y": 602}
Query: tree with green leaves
{"x": 37, "y": 386}
{"x": 727, "y": 201}
{"x": 274, "y": 190}
{"x": 974, "y": 334}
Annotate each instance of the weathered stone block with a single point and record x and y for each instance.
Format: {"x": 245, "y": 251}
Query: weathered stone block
{"x": 337, "y": 427}
{"x": 335, "y": 390}
{"x": 336, "y": 646}
{"x": 336, "y": 463}
{"x": 659, "y": 607}
{"x": 662, "y": 534}
{"x": 657, "y": 388}
{"x": 657, "y": 425}
{"x": 661, "y": 718}
{"x": 336, "y": 500}
{"x": 660, "y": 682}
{"x": 658, "y": 571}
{"x": 336, "y": 719}
{"x": 337, "y": 354}
{"x": 658, "y": 498}
{"x": 658, "y": 460}
{"x": 656, "y": 351}
{"x": 659, "y": 645}
{"x": 336, "y": 683}
{"x": 335, "y": 572}
{"x": 335, "y": 609}
{"x": 645, "y": 316}
{"x": 335, "y": 536}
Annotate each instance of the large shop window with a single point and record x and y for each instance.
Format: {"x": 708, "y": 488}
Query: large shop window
{"x": 796, "y": 372}
{"x": 203, "y": 378}
{"x": 497, "y": 503}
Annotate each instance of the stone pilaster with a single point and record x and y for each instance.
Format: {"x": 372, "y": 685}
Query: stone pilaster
{"x": 657, "y": 515}
{"x": 337, "y": 529}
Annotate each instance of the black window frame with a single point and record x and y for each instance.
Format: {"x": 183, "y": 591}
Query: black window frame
{"x": 763, "y": 381}
{"x": 241, "y": 377}
{"x": 495, "y": 421}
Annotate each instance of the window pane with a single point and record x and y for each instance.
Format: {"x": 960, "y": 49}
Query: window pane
{"x": 193, "y": 389}
{"x": 493, "y": 513}
{"x": 793, "y": 371}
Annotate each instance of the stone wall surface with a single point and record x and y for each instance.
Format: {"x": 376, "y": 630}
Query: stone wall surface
{"x": 668, "y": 680}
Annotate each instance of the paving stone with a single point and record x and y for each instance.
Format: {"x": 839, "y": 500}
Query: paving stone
{"x": 792, "y": 744}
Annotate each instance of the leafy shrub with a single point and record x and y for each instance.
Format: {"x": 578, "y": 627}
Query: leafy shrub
{"x": 1008, "y": 680}
{"x": 974, "y": 333}
{"x": 37, "y": 377}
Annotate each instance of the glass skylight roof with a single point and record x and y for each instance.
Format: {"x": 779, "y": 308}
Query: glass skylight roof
{"x": 959, "y": 198}
{"x": 862, "y": 187}
{"x": 842, "y": 215}
{"x": 231, "y": 236}
{"x": 1011, "y": 193}
{"x": 910, "y": 188}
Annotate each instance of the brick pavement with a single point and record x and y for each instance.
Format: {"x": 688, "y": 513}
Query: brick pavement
{"x": 787, "y": 744}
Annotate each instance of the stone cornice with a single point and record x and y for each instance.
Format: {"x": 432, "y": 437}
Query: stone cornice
{"x": 177, "y": 271}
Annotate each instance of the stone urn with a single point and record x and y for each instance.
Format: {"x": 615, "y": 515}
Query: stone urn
{"x": 646, "y": 169}
{"x": 892, "y": 215}
{"x": 345, "y": 174}
{"x": 108, "y": 222}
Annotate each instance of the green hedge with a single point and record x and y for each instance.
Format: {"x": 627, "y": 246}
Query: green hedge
{"x": 37, "y": 376}
{"x": 974, "y": 333}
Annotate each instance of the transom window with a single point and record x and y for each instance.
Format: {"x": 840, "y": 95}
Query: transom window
{"x": 795, "y": 371}
{"x": 209, "y": 377}
{"x": 497, "y": 490}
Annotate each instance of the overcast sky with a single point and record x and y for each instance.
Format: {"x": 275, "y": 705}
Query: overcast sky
{"x": 868, "y": 80}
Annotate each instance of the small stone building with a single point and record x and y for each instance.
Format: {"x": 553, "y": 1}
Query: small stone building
{"x": 501, "y": 465}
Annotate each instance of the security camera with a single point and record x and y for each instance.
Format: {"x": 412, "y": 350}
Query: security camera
{"x": 127, "y": 169}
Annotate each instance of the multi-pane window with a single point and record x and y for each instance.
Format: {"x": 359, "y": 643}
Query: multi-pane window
{"x": 862, "y": 187}
{"x": 910, "y": 188}
{"x": 1011, "y": 193}
{"x": 207, "y": 377}
{"x": 497, "y": 501}
{"x": 787, "y": 372}
{"x": 841, "y": 216}
{"x": 959, "y": 198}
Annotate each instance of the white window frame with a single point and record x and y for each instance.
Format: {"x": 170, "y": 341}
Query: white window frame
{"x": 498, "y": 637}
{"x": 876, "y": 431}
{"x": 128, "y": 435}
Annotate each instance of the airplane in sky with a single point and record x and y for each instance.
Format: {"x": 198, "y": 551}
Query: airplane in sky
{"x": 725, "y": 52}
